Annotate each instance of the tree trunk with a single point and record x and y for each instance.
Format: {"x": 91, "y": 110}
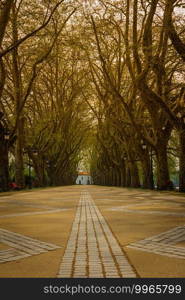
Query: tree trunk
{"x": 4, "y": 18}
{"x": 135, "y": 182}
{"x": 118, "y": 172}
{"x": 109, "y": 177}
{"x": 39, "y": 171}
{"x": 19, "y": 162}
{"x": 45, "y": 174}
{"x": 163, "y": 177}
{"x": 103, "y": 178}
{"x": 4, "y": 172}
{"x": 128, "y": 176}
{"x": 182, "y": 161}
{"x": 123, "y": 176}
{"x": 106, "y": 178}
{"x": 114, "y": 177}
{"x": 147, "y": 173}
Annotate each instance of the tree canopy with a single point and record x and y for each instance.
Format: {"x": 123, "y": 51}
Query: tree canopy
{"x": 98, "y": 80}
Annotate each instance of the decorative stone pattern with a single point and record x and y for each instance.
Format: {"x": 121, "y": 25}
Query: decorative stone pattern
{"x": 92, "y": 250}
{"x": 21, "y": 246}
{"x": 163, "y": 243}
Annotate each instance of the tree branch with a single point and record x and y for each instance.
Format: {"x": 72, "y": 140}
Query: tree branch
{"x": 27, "y": 36}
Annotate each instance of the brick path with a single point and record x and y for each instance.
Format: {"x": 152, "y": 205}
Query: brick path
{"x": 164, "y": 243}
{"x": 92, "y": 250}
{"x": 21, "y": 246}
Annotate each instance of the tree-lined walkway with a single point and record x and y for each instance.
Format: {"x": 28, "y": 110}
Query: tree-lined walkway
{"x": 92, "y": 231}
{"x": 98, "y": 84}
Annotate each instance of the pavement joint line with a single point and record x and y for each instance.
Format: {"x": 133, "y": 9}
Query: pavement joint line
{"x": 50, "y": 211}
{"x": 94, "y": 246}
{"x": 153, "y": 212}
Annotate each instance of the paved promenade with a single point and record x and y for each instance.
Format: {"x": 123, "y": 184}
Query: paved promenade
{"x": 92, "y": 231}
{"x": 92, "y": 250}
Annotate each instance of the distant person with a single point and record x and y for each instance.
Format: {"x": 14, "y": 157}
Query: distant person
{"x": 80, "y": 182}
{"x": 88, "y": 181}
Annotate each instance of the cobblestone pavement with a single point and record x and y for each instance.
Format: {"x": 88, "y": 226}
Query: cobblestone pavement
{"x": 21, "y": 246}
{"x": 92, "y": 250}
{"x": 163, "y": 243}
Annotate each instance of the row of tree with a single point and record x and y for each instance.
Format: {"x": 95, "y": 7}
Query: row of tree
{"x": 136, "y": 61}
{"x": 42, "y": 123}
{"x": 104, "y": 77}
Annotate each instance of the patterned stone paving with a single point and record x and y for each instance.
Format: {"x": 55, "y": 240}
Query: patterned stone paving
{"x": 163, "y": 243}
{"x": 21, "y": 246}
{"x": 92, "y": 250}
